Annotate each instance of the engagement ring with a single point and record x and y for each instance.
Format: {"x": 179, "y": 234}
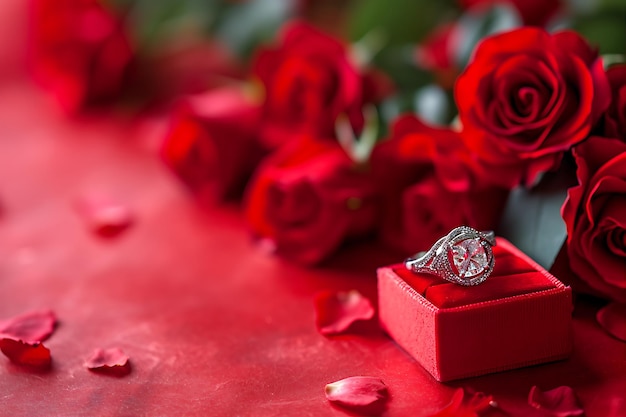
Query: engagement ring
{"x": 464, "y": 256}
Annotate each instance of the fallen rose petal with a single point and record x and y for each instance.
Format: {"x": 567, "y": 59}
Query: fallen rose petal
{"x": 35, "y": 355}
{"x": 364, "y": 394}
{"x": 612, "y": 318}
{"x": 336, "y": 312}
{"x": 106, "y": 218}
{"x": 452, "y": 409}
{"x": 35, "y": 326}
{"x": 478, "y": 402}
{"x": 559, "y": 402}
{"x": 109, "y": 361}
{"x": 465, "y": 404}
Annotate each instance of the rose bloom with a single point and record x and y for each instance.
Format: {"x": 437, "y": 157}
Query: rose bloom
{"x": 595, "y": 216}
{"x": 308, "y": 198}
{"x": 211, "y": 143}
{"x": 309, "y": 80}
{"x": 79, "y": 51}
{"x": 428, "y": 188}
{"x": 430, "y": 210}
{"x": 532, "y": 12}
{"x": 615, "y": 116}
{"x": 526, "y": 97}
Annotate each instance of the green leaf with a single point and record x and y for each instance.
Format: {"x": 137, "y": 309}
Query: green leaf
{"x": 153, "y": 22}
{"x": 400, "y": 20}
{"x": 478, "y": 24}
{"x": 532, "y": 217}
{"x": 245, "y": 25}
{"x": 432, "y": 104}
{"x": 613, "y": 59}
{"x": 606, "y": 29}
{"x": 613, "y": 4}
{"x": 399, "y": 63}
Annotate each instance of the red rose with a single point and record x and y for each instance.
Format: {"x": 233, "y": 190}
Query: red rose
{"x": 428, "y": 186}
{"x": 615, "y": 116}
{"x": 595, "y": 216}
{"x": 308, "y": 198}
{"x": 532, "y": 12}
{"x": 309, "y": 81}
{"x": 79, "y": 50}
{"x": 430, "y": 211}
{"x": 212, "y": 144}
{"x": 436, "y": 53}
{"x": 526, "y": 97}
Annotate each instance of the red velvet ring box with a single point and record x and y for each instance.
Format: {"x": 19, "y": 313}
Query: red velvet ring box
{"x": 520, "y": 316}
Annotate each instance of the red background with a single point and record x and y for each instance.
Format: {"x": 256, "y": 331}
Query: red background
{"x": 212, "y": 323}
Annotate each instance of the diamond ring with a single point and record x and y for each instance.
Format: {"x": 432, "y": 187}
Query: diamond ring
{"x": 464, "y": 256}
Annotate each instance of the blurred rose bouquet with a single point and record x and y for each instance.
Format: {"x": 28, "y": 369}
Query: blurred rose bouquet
{"x": 79, "y": 50}
{"x": 327, "y": 140}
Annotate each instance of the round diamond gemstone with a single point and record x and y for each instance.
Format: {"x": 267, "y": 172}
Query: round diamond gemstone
{"x": 468, "y": 258}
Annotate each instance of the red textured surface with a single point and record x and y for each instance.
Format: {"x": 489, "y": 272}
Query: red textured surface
{"x": 212, "y": 324}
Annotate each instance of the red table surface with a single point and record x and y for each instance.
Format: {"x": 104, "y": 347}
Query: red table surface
{"x": 213, "y": 324}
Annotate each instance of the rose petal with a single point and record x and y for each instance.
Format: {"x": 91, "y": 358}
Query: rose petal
{"x": 559, "y": 402}
{"x": 612, "y": 318}
{"x": 465, "y": 404}
{"x": 434, "y": 53}
{"x": 478, "y": 401}
{"x": 112, "y": 361}
{"x": 105, "y": 217}
{"x": 453, "y": 408}
{"x": 35, "y": 355}
{"x": 336, "y": 312}
{"x": 364, "y": 394}
{"x": 35, "y": 326}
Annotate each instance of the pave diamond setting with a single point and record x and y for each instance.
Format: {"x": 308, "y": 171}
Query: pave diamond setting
{"x": 464, "y": 256}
